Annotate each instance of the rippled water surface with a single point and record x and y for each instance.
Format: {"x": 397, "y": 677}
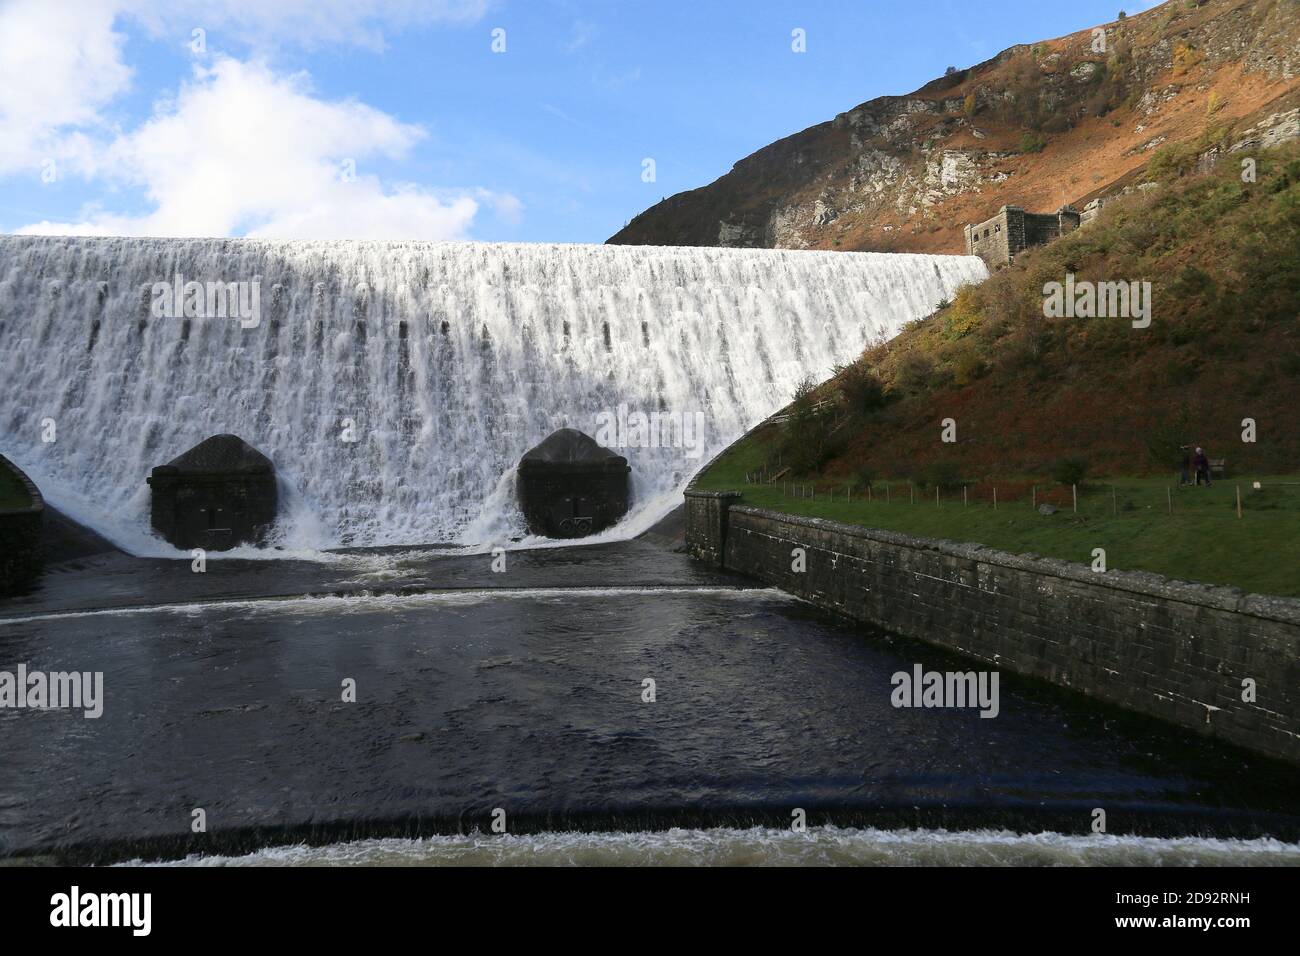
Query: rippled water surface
{"x": 525, "y": 692}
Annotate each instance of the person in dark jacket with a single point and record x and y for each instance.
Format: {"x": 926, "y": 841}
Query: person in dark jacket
{"x": 1202, "y": 466}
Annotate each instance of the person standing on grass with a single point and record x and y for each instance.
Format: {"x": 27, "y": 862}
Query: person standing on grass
{"x": 1185, "y": 465}
{"x": 1202, "y": 466}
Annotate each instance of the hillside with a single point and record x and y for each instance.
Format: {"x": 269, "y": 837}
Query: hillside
{"x": 969, "y": 419}
{"x": 1026, "y": 391}
{"x": 1038, "y": 126}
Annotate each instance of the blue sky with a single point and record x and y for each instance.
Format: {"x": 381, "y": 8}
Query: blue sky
{"x": 395, "y": 118}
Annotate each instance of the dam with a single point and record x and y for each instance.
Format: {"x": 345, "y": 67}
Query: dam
{"x": 395, "y": 384}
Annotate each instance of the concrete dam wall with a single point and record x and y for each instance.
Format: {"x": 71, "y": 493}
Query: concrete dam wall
{"x": 394, "y": 385}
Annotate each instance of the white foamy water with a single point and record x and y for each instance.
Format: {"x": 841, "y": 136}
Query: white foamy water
{"x": 759, "y": 846}
{"x": 447, "y": 361}
{"x": 365, "y": 603}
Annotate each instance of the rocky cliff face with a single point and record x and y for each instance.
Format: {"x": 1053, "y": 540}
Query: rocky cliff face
{"x": 1062, "y": 121}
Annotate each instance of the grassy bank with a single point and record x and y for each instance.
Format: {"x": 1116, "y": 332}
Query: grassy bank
{"x": 13, "y": 493}
{"x": 1144, "y": 524}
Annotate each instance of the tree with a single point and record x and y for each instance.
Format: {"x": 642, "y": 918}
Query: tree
{"x": 1070, "y": 471}
{"x": 862, "y": 391}
{"x": 1167, "y": 435}
{"x": 806, "y": 431}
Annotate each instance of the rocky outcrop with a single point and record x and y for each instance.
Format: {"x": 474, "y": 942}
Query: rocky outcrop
{"x": 1040, "y": 126}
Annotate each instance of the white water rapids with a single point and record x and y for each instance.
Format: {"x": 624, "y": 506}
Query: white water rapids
{"x": 442, "y": 362}
{"x": 760, "y": 846}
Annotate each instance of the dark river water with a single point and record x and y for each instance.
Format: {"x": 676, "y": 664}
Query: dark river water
{"x": 523, "y": 692}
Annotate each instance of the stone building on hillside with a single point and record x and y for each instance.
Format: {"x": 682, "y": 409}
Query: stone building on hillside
{"x": 999, "y": 240}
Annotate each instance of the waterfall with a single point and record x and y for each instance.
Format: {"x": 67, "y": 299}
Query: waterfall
{"x": 395, "y": 384}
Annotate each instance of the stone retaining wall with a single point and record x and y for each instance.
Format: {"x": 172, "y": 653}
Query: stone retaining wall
{"x": 1176, "y": 651}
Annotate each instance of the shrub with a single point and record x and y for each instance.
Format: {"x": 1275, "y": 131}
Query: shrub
{"x": 863, "y": 392}
{"x": 1069, "y": 471}
{"x": 1186, "y": 56}
{"x": 1032, "y": 142}
{"x": 967, "y": 367}
{"x": 915, "y": 374}
{"x": 963, "y": 313}
{"x": 1181, "y": 369}
{"x": 1171, "y": 162}
{"x": 804, "y": 439}
{"x": 939, "y": 474}
{"x": 1166, "y": 437}
{"x": 1192, "y": 282}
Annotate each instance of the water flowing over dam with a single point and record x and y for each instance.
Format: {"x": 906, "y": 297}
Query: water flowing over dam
{"x": 395, "y": 384}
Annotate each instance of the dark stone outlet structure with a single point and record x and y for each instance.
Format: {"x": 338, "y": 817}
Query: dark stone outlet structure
{"x": 570, "y": 487}
{"x": 1213, "y": 659}
{"x": 21, "y": 553}
{"x": 219, "y": 494}
{"x": 999, "y": 240}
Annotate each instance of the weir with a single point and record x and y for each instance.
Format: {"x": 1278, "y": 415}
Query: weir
{"x": 395, "y": 384}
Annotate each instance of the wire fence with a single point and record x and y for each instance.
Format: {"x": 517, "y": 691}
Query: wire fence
{"x": 1092, "y": 498}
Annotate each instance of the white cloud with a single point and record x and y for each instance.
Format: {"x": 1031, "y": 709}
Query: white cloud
{"x": 60, "y": 64}
{"x": 369, "y": 213}
{"x": 240, "y": 149}
{"x": 100, "y": 227}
